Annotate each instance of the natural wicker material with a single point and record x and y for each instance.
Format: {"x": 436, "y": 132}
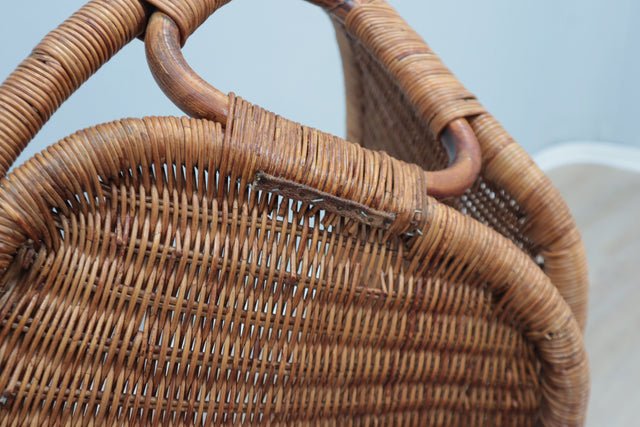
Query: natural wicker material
{"x": 186, "y": 271}
{"x": 512, "y": 195}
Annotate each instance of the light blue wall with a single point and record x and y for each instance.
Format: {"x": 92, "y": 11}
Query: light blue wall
{"x": 550, "y": 71}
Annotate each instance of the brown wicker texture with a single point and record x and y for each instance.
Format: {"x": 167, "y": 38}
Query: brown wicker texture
{"x": 183, "y": 271}
{"x": 199, "y": 99}
{"x": 400, "y": 94}
{"x": 400, "y": 98}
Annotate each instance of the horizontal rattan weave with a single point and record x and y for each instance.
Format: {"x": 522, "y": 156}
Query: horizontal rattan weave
{"x": 187, "y": 271}
{"x": 165, "y": 277}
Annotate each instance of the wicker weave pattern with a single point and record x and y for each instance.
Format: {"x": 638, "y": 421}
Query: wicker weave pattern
{"x": 145, "y": 279}
{"x": 433, "y": 91}
{"x": 398, "y": 90}
{"x": 201, "y": 255}
{"x": 62, "y": 61}
{"x": 70, "y": 54}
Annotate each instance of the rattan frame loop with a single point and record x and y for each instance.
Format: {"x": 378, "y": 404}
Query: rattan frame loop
{"x": 57, "y": 194}
{"x": 67, "y": 56}
{"x": 197, "y": 98}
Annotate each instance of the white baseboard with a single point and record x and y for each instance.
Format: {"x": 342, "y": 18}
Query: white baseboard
{"x": 614, "y": 155}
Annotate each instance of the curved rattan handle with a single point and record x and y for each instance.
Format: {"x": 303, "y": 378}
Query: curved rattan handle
{"x": 71, "y": 53}
{"x": 190, "y": 14}
{"x": 199, "y": 99}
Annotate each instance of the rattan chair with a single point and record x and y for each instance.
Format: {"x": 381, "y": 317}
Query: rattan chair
{"x": 237, "y": 267}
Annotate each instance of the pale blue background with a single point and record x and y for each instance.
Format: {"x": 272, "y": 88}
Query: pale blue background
{"x": 550, "y": 71}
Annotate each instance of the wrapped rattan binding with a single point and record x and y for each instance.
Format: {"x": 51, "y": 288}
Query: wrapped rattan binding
{"x": 398, "y": 71}
{"x": 167, "y": 270}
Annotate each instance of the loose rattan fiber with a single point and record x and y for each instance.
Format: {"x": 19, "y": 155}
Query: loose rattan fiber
{"x": 183, "y": 271}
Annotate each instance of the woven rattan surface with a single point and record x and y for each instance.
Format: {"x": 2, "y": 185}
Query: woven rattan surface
{"x": 183, "y": 271}
{"x": 398, "y": 91}
{"x": 165, "y": 288}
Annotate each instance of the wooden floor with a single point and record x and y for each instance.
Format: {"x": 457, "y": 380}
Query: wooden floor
{"x": 606, "y": 205}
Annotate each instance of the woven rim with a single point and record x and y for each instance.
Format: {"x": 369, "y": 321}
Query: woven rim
{"x": 527, "y": 296}
{"x": 74, "y": 51}
{"x": 438, "y": 98}
{"x": 70, "y": 54}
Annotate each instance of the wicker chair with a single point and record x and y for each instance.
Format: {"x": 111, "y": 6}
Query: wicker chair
{"x": 240, "y": 267}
